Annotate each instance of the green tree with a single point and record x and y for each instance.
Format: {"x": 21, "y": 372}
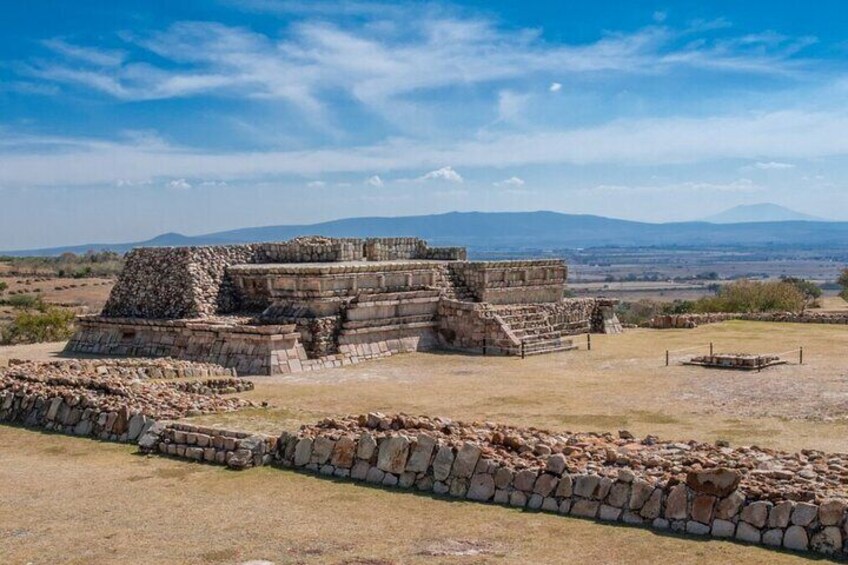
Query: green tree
{"x": 843, "y": 282}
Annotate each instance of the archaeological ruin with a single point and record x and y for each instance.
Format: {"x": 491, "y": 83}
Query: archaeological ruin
{"x": 315, "y": 302}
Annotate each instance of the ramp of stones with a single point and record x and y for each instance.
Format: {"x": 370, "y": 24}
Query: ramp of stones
{"x": 532, "y": 326}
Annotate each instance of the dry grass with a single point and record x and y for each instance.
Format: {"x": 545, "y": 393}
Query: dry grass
{"x": 82, "y": 501}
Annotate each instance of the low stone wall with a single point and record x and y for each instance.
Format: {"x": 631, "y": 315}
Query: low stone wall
{"x": 164, "y": 368}
{"x": 236, "y": 450}
{"x": 688, "y": 321}
{"x": 513, "y": 282}
{"x": 793, "y": 501}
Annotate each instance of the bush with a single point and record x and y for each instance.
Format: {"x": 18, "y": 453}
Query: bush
{"x": 24, "y": 301}
{"x": 3, "y": 286}
{"x": 35, "y": 326}
{"x": 752, "y": 296}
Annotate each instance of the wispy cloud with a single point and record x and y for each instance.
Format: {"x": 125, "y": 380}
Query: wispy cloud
{"x": 511, "y": 181}
{"x": 179, "y": 184}
{"x": 378, "y": 60}
{"x": 773, "y": 165}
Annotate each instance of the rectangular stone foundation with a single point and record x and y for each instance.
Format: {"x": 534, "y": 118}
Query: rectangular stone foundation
{"x": 250, "y": 349}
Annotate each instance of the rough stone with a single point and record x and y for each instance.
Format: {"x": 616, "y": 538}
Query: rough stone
{"x": 481, "y": 487}
{"x": 718, "y": 482}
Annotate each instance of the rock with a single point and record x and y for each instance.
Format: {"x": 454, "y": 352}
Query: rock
{"x": 773, "y": 537}
{"x": 609, "y": 513}
{"x": 619, "y": 494}
{"x": 322, "y": 447}
{"x": 756, "y": 513}
{"x": 440, "y": 488}
{"x": 302, "y": 452}
{"x": 149, "y": 440}
{"x": 550, "y": 504}
{"x": 804, "y": 514}
{"x": 585, "y": 508}
{"x": 660, "y": 524}
{"x": 366, "y": 446}
{"x": 556, "y": 464}
{"x": 374, "y": 476}
{"x": 747, "y": 532}
{"x": 389, "y": 480}
{"x": 501, "y": 496}
{"x": 241, "y": 459}
{"x": 344, "y": 453}
{"x": 585, "y": 485}
{"x": 675, "y": 505}
{"x": 535, "y": 502}
{"x": 702, "y": 508}
{"x": 795, "y": 538}
{"x": 831, "y": 512}
{"x": 134, "y": 426}
{"x": 503, "y": 477}
{"x": 641, "y": 492}
{"x": 545, "y": 484}
{"x": 697, "y": 528}
{"x": 518, "y": 498}
{"x": 729, "y": 506}
{"x": 406, "y": 480}
{"x": 419, "y": 458}
{"x": 828, "y": 541}
{"x": 442, "y": 463}
{"x": 525, "y": 480}
{"x": 481, "y": 487}
{"x": 718, "y": 482}
{"x": 466, "y": 460}
{"x": 651, "y": 509}
{"x": 780, "y": 514}
{"x": 723, "y": 529}
{"x": 360, "y": 470}
{"x": 565, "y": 487}
{"x": 392, "y": 455}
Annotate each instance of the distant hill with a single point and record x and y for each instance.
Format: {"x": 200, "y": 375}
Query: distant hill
{"x": 514, "y": 231}
{"x": 764, "y": 212}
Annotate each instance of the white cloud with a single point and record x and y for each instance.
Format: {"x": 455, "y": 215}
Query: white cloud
{"x": 445, "y": 174}
{"x": 511, "y": 181}
{"x": 375, "y": 181}
{"x": 555, "y": 87}
{"x": 179, "y": 184}
{"x": 659, "y": 16}
{"x": 316, "y": 184}
{"x": 33, "y": 161}
{"x": 773, "y": 165}
{"x": 511, "y": 105}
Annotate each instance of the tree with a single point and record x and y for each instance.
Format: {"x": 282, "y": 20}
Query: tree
{"x": 810, "y": 290}
{"x": 843, "y": 282}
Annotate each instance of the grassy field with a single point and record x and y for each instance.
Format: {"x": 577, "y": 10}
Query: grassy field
{"x": 82, "y": 501}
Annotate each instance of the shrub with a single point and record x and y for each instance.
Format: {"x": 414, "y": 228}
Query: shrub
{"x": 3, "y": 286}
{"x": 34, "y": 326}
{"x": 810, "y": 290}
{"x": 754, "y": 296}
{"x": 24, "y": 301}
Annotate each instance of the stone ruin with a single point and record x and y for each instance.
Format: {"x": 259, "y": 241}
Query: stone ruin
{"x": 316, "y": 302}
{"x": 735, "y": 361}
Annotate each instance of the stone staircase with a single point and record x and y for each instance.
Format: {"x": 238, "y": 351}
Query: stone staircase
{"x": 532, "y": 327}
{"x": 454, "y": 287}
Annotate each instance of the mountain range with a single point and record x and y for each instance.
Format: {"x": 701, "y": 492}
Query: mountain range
{"x": 764, "y": 212}
{"x": 515, "y": 231}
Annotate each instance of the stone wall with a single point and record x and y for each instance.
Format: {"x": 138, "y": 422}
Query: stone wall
{"x": 236, "y": 450}
{"x": 688, "y": 321}
{"x": 755, "y": 496}
{"x": 474, "y": 327}
{"x": 176, "y": 282}
{"x": 513, "y": 282}
{"x": 78, "y": 399}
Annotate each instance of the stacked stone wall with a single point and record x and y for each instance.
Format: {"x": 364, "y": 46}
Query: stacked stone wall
{"x": 791, "y": 501}
{"x": 236, "y": 450}
{"x": 689, "y": 321}
{"x": 513, "y": 282}
{"x": 178, "y": 282}
{"x": 472, "y": 326}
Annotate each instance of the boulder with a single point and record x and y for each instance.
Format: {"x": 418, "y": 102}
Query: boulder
{"x": 718, "y": 482}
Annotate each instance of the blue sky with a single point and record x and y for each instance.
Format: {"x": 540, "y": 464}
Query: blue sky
{"x": 123, "y": 120}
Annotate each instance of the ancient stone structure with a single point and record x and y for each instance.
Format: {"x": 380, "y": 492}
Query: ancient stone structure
{"x": 312, "y": 303}
{"x": 735, "y": 361}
